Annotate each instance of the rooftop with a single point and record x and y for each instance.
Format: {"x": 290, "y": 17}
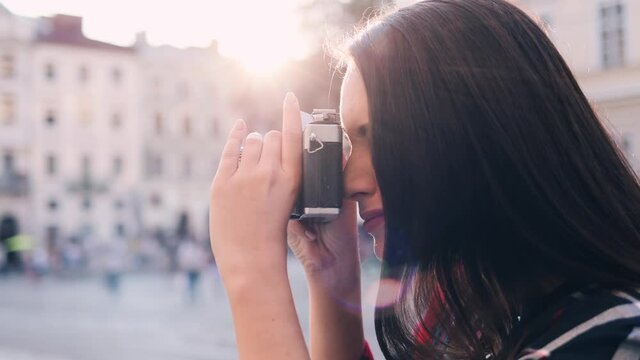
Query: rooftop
{"x": 67, "y": 30}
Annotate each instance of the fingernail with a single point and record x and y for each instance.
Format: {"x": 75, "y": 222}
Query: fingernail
{"x": 254, "y": 135}
{"x": 311, "y": 236}
{"x": 290, "y": 97}
{"x": 240, "y": 125}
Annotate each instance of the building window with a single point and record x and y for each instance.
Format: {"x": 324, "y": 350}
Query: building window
{"x": 8, "y": 163}
{"x": 85, "y": 165}
{"x": 118, "y": 204}
{"x": 52, "y": 205}
{"x": 52, "y": 165}
{"x": 116, "y": 121}
{"x": 52, "y": 234}
{"x": 154, "y": 165}
{"x": 7, "y": 112}
{"x": 187, "y": 125}
{"x": 50, "y": 72}
{"x": 116, "y": 75}
{"x": 612, "y": 34}
{"x": 7, "y": 66}
{"x": 158, "y": 124}
{"x": 187, "y": 167}
{"x": 155, "y": 200}
{"x": 626, "y": 143}
{"x": 215, "y": 126}
{"x": 120, "y": 230}
{"x": 158, "y": 165}
{"x": 50, "y": 118}
{"x": 83, "y": 74}
{"x": 117, "y": 165}
{"x": 85, "y": 230}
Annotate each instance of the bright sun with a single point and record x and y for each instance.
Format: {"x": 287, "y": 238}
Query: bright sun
{"x": 260, "y": 57}
{"x": 263, "y": 37}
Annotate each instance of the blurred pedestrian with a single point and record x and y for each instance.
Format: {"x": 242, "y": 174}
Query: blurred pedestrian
{"x": 3, "y": 259}
{"x": 192, "y": 259}
{"x": 39, "y": 262}
{"x": 18, "y": 247}
{"x": 73, "y": 255}
{"x": 114, "y": 264}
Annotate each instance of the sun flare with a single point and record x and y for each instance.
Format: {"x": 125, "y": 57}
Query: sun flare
{"x": 265, "y": 38}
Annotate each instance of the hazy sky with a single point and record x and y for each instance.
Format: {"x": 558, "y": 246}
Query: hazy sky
{"x": 257, "y": 32}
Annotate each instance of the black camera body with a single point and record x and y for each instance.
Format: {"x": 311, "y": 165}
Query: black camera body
{"x": 321, "y": 193}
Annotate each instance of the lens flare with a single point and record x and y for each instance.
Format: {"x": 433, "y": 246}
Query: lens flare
{"x": 384, "y": 293}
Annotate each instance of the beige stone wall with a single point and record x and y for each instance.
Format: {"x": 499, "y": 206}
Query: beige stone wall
{"x": 574, "y": 26}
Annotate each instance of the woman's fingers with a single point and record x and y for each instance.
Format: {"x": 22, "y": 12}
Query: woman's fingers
{"x": 231, "y": 152}
{"x": 251, "y": 152}
{"x": 272, "y": 150}
{"x": 276, "y": 149}
{"x": 295, "y": 229}
{"x": 291, "y": 136}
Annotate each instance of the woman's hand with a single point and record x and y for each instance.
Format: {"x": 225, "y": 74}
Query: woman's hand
{"x": 252, "y": 196}
{"x": 329, "y": 254}
{"x": 329, "y": 251}
{"x": 251, "y": 199}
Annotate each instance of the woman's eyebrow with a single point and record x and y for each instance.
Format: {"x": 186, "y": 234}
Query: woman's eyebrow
{"x": 362, "y": 130}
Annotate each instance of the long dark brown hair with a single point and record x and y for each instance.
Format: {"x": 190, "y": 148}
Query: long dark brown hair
{"x": 499, "y": 182}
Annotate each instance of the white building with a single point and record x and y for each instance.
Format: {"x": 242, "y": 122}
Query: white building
{"x": 15, "y": 124}
{"x": 184, "y": 127}
{"x": 600, "y": 40}
{"x": 100, "y": 141}
{"x": 85, "y": 139}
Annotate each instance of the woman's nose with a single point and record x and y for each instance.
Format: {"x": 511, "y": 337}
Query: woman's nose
{"x": 359, "y": 180}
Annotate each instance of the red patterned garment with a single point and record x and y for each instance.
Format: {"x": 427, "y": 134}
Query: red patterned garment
{"x": 366, "y": 354}
{"x": 595, "y": 324}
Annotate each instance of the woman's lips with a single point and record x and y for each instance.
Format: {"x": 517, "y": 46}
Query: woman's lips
{"x": 372, "y": 223}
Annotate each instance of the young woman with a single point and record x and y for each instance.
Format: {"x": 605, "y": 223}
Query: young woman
{"x": 497, "y": 200}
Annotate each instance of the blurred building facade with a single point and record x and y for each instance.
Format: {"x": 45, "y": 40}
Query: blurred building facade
{"x": 15, "y": 183}
{"x": 83, "y": 108}
{"x": 600, "y": 40}
{"x": 100, "y": 141}
{"x": 184, "y": 94}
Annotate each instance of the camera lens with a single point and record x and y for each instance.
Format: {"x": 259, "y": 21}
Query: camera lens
{"x": 346, "y": 145}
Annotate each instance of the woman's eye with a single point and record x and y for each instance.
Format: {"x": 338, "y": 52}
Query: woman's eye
{"x": 363, "y": 131}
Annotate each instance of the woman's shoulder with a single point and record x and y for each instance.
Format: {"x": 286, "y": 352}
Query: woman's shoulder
{"x": 592, "y": 324}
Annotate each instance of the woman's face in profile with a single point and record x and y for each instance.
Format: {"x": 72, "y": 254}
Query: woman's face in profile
{"x": 360, "y": 178}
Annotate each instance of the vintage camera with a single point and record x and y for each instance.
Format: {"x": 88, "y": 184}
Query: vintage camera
{"x": 324, "y": 144}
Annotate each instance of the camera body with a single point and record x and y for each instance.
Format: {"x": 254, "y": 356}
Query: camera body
{"x": 321, "y": 192}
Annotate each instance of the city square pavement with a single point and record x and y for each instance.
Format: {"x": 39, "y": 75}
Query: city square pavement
{"x": 152, "y": 317}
